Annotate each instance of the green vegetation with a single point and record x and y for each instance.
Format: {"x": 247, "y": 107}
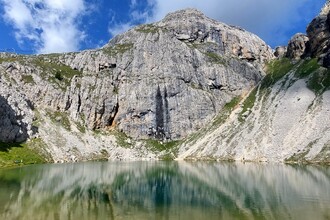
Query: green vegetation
{"x": 300, "y": 156}
{"x": 168, "y": 149}
{"x": 168, "y": 156}
{"x": 248, "y": 104}
{"x": 195, "y": 85}
{"x": 28, "y": 79}
{"x": 122, "y": 139}
{"x": 215, "y": 58}
{"x": 276, "y": 69}
{"x": 218, "y": 120}
{"x": 61, "y": 118}
{"x": 158, "y": 146}
{"x": 118, "y": 49}
{"x": 14, "y": 154}
{"x": 307, "y": 67}
{"x": 318, "y": 78}
{"x": 58, "y": 76}
{"x": 8, "y": 59}
{"x": 324, "y": 155}
{"x": 204, "y": 49}
{"x": 226, "y": 111}
{"x": 319, "y": 81}
{"x": 80, "y": 127}
{"x": 56, "y": 72}
{"x": 116, "y": 90}
{"x": 148, "y": 28}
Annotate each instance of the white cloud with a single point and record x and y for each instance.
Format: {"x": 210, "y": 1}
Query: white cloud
{"x": 119, "y": 28}
{"x": 50, "y": 24}
{"x": 136, "y": 16}
{"x": 133, "y": 3}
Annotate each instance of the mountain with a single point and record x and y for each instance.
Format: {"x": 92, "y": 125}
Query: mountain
{"x": 187, "y": 87}
{"x": 285, "y": 118}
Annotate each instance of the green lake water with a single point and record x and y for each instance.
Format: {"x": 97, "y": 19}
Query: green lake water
{"x": 165, "y": 190}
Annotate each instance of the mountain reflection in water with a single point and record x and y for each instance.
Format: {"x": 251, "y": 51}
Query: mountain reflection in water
{"x": 165, "y": 190}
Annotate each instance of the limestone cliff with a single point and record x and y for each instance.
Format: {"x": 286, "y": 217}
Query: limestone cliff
{"x": 187, "y": 87}
{"x": 160, "y": 81}
{"x": 286, "y": 117}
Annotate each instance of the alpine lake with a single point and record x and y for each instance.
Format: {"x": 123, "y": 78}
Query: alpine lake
{"x": 165, "y": 190}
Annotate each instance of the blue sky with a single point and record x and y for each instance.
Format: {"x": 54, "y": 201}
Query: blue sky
{"x": 49, "y": 26}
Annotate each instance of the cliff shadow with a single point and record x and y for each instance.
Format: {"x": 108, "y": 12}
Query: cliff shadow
{"x": 162, "y": 115}
{"x": 13, "y": 130}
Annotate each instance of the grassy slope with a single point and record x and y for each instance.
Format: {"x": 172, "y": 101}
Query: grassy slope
{"x": 17, "y": 154}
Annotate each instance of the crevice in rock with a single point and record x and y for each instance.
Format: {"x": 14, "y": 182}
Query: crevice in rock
{"x": 68, "y": 104}
{"x": 114, "y": 112}
{"x": 159, "y": 115}
{"x": 98, "y": 115}
{"x": 79, "y": 103}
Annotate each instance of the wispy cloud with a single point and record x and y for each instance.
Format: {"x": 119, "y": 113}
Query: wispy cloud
{"x": 52, "y": 26}
{"x": 119, "y": 28}
{"x": 139, "y": 12}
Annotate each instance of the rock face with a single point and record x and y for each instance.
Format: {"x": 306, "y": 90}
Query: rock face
{"x": 318, "y": 32}
{"x": 280, "y": 51}
{"x": 297, "y": 46}
{"x": 16, "y": 115}
{"x": 160, "y": 81}
{"x": 287, "y": 123}
{"x": 184, "y": 78}
{"x": 286, "y": 117}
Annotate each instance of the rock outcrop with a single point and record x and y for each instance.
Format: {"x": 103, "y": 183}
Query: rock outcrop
{"x": 318, "y": 32}
{"x": 287, "y": 122}
{"x": 285, "y": 118}
{"x": 297, "y": 46}
{"x": 16, "y": 115}
{"x": 280, "y": 51}
{"x": 160, "y": 81}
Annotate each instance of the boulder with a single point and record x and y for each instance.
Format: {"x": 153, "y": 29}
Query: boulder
{"x": 280, "y": 51}
{"x": 297, "y": 46}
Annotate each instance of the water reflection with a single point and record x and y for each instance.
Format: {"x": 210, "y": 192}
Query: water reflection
{"x": 159, "y": 190}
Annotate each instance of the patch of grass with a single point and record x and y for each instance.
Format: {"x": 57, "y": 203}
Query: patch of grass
{"x": 158, "y": 146}
{"x": 61, "y": 118}
{"x": 248, "y": 104}
{"x": 195, "y": 86}
{"x": 148, "y": 28}
{"x": 319, "y": 81}
{"x": 300, "y": 156}
{"x": 324, "y": 154}
{"x": 215, "y": 58}
{"x": 217, "y": 121}
{"x": 80, "y": 127}
{"x": 122, "y": 139}
{"x": 56, "y": 72}
{"x": 118, "y": 49}
{"x": 226, "y": 110}
{"x": 276, "y": 69}
{"x": 8, "y": 59}
{"x": 306, "y": 68}
{"x": 168, "y": 156}
{"x": 28, "y": 79}
{"x": 116, "y": 90}
{"x": 16, "y": 154}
